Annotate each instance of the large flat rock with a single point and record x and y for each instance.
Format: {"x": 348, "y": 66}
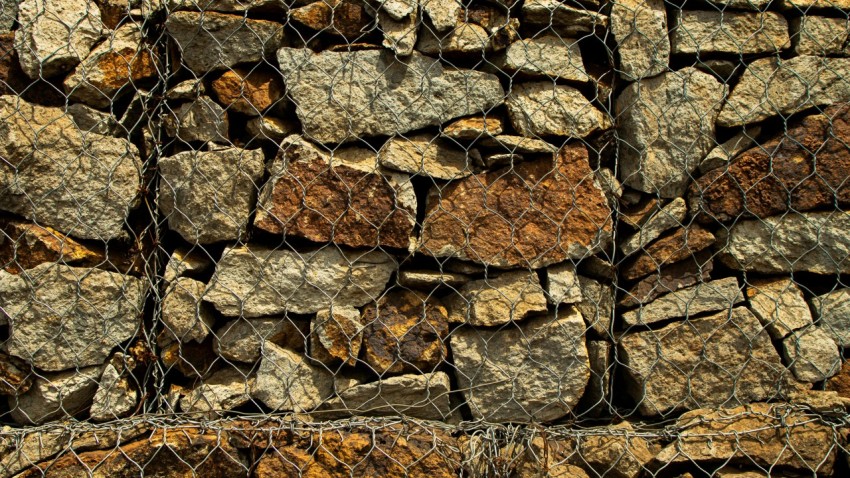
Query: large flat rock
{"x": 545, "y": 109}
{"x": 720, "y": 294}
{"x": 640, "y": 30}
{"x": 714, "y": 31}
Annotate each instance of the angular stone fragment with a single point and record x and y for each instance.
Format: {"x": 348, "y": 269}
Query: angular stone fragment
{"x": 425, "y": 155}
{"x": 773, "y": 86}
{"x": 679, "y": 245}
{"x": 508, "y": 297}
{"x": 429, "y": 280}
{"x": 564, "y": 18}
{"x": 53, "y": 173}
{"x": 243, "y": 340}
{"x": 208, "y": 196}
{"x": 547, "y": 55}
{"x": 252, "y": 281}
{"x": 423, "y": 396}
{"x": 723, "y": 154}
{"x": 543, "y": 109}
{"x": 811, "y": 242}
{"x": 779, "y": 305}
{"x": 444, "y": 14}
{"x": 198, "y": 120}
{"x": 393, "y": 103}
{"x": 671, "y": 215}
{"x": 685, "y": 273}
{"x": 91, "y": 120}
{"x": 55, "y": 35}
{"x": 185, "y": 318}
{"x": 596, "y": 400}
{"x": 820, "y": 36}
{"x": 723, "y": 359}
{"x": 466, "y": 38}
{"x": 63, "y": 317}
{"x": 56, "y": 395}
{"x": 619, "y": 450}
{"x": 211, "y": 41}
{"x": 224, "y": 390}
{"x": 15, "y": 376}
{"x": 597, "y": 305}
{"x": 249, "y": 92}
{"x": 270, "y": 128}
{"x": 8, "y": 14}
{"x": 666, "y": 128}
{"x": 343, "y": 198}
{"x": 811, "y": 354}
{"x": 400, "y": 34}
{"x": 474, "y": 127}
{"x": 25, "y": 245}
{"x": 286, "y": 381}
{"x": 721, "y": 294}
{"x": 714, "y": 31}
{"x": 507, "y": 143}
{"x": 186, "y": 261}
{"x": 510, "y": 375}
{"x": 345, "y": 18}
{"x": 640, "y": 30}
{"x": 534, "y": 214}
{"x": 832, "y": 312}
{"x": 336, "y": 334}
{"x": 115, "y": 398}
{"x": 186, "y": 90}
{"x": 562, "y": 284}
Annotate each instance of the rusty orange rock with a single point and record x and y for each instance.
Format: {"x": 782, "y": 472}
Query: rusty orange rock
{"x": 681, "y": 244}
{"x": 248, "y": 92}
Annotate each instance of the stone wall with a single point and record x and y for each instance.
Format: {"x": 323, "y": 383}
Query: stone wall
{"x": 378, "y": 238}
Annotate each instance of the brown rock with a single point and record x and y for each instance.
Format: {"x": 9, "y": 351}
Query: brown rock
{"x": 191, "y": 359}
{"x": 670, "y": 278}
{"x": 336, "y": 334}
{"x": 248, "y": 91}
{"x": 14, "y": 376}
{"x": 12, "y": 78}
{"x": 531, "y": 215}
{"x": 344, "y": 18}
{"x": 25, "y": 245}
{"x": 840, "y": 383}
{"x": 345, "y": 200}
{"x": 405, "y": 332}
{"x": 679, "y": 245}
{"x": 783, "y": 173}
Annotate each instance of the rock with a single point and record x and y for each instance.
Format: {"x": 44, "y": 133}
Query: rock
{"x": 761, "y": 434}
{"x": 120, "y": 61}
{"x": 24, "y": 245}
{"x": 723, "y": 154}
{"x": 332, "y": 197}
{"x": 423, "y": 396}
{"x": 425, "y": 155}
{"x": 634, "y": 214}
{"x": 596, "y": 400}
{"x": 811, "y": 354}
{"x": 685, "y": 273}
{"x": 813, "y": 5}
{"x": 115, "y": 397}
{"x": 184, "y": 317}
{"x": 390, "y": 104}
{"x": 186, "y": 90}
{"x": 15, "y": 376}
{"x": 510, "y": 375}
{"x": 640, "y": 30}
{"x": 249, "y": 92}
{"x": 429, "y": 280}
{"x": 539, "y": 458}
{"x": 224, "y": 390}
{"x": 253, "y": 281}
{"x": 85, "y": 184}
{"x": 671, "y": 215}
{"x": 91, "y": 120}
{"x": 223, "y": 5}
{"x": 46, "y": 44}
{"x": 721, "y": 294}
{"x": 243, "y": 340}
{"x": 597, "y": 305}
{"x": 681, "y": 244}
{"x": 620, "y": 450}
{"x": 713, "y": 31}
{"x": 726, "y": 358}
{"x": 212, "y": 41}
{"x": 465, "y": 39}
{"x": 55, "y": 395}
{"x": 562, "y": 285}
{"x": 518, "y": 144}
{"x": 345, "y": 18}
{"x": 811, "y": 242}
{"x": 509, "y": 297}
{"x": 399, "y": 33}
{"x": 286, "y": 381}
{"x": 12, "y": 79}
{"x": 610, "y": 185}
{"x": 771, "y": 87}
{"x": 779, "y": 305}
{"x": 270, "y": 128}
{"x": 564, "y": 19}
{"x": 474, "y": 127}
{"x": 840, "y": 382}
{"x": 199, "y": 120}
{"x": 543, "y": 109}
{"x": 444, "y": 14}
{"x": 820, "y": 36}
{"x": 546, "y": 55}
{"x": 184, "y": 262}
{"x": 666, "y": 128}
{"x": 547, "y": 211}
{"x": 336, "y": 334}
{"x": 8, "y": 14}
{"x": 832, "y": 312}
{"x": 209, "y": 196}
{"x": 63, "y": 317}
{"x": 405, "y": 332}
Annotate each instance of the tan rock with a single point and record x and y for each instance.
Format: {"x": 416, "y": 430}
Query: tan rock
{"x": 545, "y": 109}
{"x": 474, "y": 127}
{"x": 185, "y": 317}
{"x": 619, "y": 450}
{"x": 710, "y": 296}
{"x": 779, "y": 305}
{"x": 243, "y": 340}
{"x": 832, "y": 312}
{"x": 25, "y": 245}
{"x": 562, "y": 284}
{"x": 509, "y": 297}
{"x": 640, "y": 29}
{"x": 345, "y": 18}
{"x": 429, "y": 280}
{"x": 15, "y": 378}
{"x": 425, "y": 155}
{"x": 822, "y": 36}
{"x": 714, "y": 31}
{"x": 466, "y": 38}
{"x": 811, "y": 354}
{"x": 246, "y": 91}
{"x": 424, "y": 396}
{"x": 287, "y": 381}
{"x": 690, "y": 271}
{"x": 545, "y": 55}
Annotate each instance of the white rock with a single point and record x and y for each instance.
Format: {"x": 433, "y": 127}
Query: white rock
{"x": 423, "y": 396}
{"x": 115, "y": 398}
{"x": 399, "y": 33}
{"x": 285, "y": 381}
{"x": 811, "y": 354}
{"x": 546, "y": 55}
{"x": 185, "y": 317}
{"x": 199, "y": 120}
{"x": 425, "y": 155}
{"x": 444, "y": 14}
{"x": 224, "y": 390}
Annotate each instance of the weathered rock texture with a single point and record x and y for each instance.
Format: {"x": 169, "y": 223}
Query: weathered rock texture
{"x": 543, "y": 109}
{"x": 729, "y": 32}
{"x": 423, "y": 396}
{"x": 708, "y": 296}
{"x": 832, "y": 311}
{"x": 640, "y": 29}
{"x": 509, "y": 297}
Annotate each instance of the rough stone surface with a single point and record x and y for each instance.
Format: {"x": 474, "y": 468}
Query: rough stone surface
{"x": 444, "y": 14}
{"x": 681, "y": 244}
{"x": 562, "y": 285}
{"x": 46, "y": 44}
{"x": 64, "y": 317}
{"x": 565, "y": 19}
{"x": 405, "y": 332}
{"x": 779, "y": 305}
{"x": 465, "y": 39}
{"x": 820, "y": 36}
{"x": 713, "y": 31}
{"x": 596, "y": 400}
{"x": 771, "y": 87}
{"x": 840, "y": 382}
{"x": 400, "y": 31}
{"x": 543, "y": 109}
{"x": 15, "y": 378}
{"x": 336, "y": 334}
{"x": 429, "y": 280}
{"x": 184, "y": 261}
{"x": 509, "y": 297}
{"x": 56, "y": 395}
{"x": 546, "y": 55}
{"x": 345, "y": 18}
{"x": 721, "y": 294}
{"x": 198, "y": 120}
{"x": 8, "y": 14}
{"x": 723, "y": 359}
{"x": 811, "y": 354}
{"x": 93, "y": 121}
{"x": 208, "y": 196}
{"x": 671, "y": 215}
{"x": 832, "y": 312}
{"x": 560, "y": 212}
{"x": 640, "y": 30}
{"x": 184, "y": 317}
{"x": 345, "y": 198}
{"x": 597, "y": 305}
{"x": 115, "y": 398}
{"x": 666, "y": 128}
{"x": 474, "y": 127}
{"x": 425, "y": 155}
{"x": 619, "y": 450}
{"x": 210, "y": 41}
{"x": 286, "y": 381}
{"x": 53, "y": 173}
{"x": 249, "y": 92}
{"x": 507, "y": 143}
{"x": 723, "y": 154}
{"x": 392, "y": 103}
{"x": 224, "y": 390}
{"x": 811, "y": 242}
{"x": 243, "y": 340}
{"x": 423, "y": 396}
{"x": 253, "y": 281}
{"x": 510, "y": 375}
{"x": 25, "y": 245}
{"x": 270, "y": 128}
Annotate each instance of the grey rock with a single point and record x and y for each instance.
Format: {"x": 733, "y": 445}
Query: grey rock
{"x": 547, "y": 55}
{"x": 208, "y": 196}
{"x": 724, "y": 359}
{"x": 723, "y": 154}
{"x": 243, "y": 340}
{"x": 820, "y": 36}
{"x": 91, "y": 120}
{"x": 597, "y": 305}
{"x": 186, "y": 261}
{"x": 393, "y": 103}
{"x": 8, "y": 14}
{"x": 640, "y": 30}
{"x": 832, "y": 312}
{"x": 425, "y": 155}
{"x": 56, "y": 395}
{"x": 224, "y": 390}
{"x": 444, "y": 14}
{"x": 666, "y": 127}
{"x": 715, "y": 31}
{"x": 210, "y": 41}
{"x": 562, "y": 285}
{"x": 811, "y": 354}
{"x": 200, "y": 120}
{"x": 55, "y": 35}
{"x": 812, "y": 242}
{"x": 63, "y": 317}
{"x": 467, "y": 38}
{"x": 423, "y": 396}
{"x": 779, "y": 305}
{"x": 428, "y": 280}
{"x": 399, "y": 33}
{"x": 509, "y": 297}
{"x": 721, "y": 294}
{"x": 670, "y": 216}
{"x": 252, "y": 281}
{"x": 543, "y": 109}
{"x": 511, "y": 375}
{"x": 286, "y": 381}
{"x": 115, "y": 398}
{"x": 185, "y": 317}
{"x": 563, "y": 18}
{"x": 773, "y": 86}
{"x": 58, "y": 175}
